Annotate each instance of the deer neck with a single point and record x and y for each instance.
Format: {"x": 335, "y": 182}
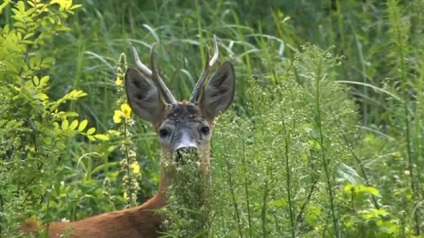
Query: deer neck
{"x": 166, "y": 176}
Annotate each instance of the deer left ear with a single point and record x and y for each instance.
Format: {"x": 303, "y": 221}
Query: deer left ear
{"x": 143, "y": 96}
{"x": 219, "y": 91}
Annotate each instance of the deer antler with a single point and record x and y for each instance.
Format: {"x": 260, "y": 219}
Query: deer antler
{"x": 199, "y": 85}
{"x": 153, "y": 74}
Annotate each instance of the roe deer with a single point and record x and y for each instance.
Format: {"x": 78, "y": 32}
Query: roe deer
{"x": 181, "y": 126}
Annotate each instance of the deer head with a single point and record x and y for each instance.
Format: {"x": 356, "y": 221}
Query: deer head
{"x": 181, "y": 126}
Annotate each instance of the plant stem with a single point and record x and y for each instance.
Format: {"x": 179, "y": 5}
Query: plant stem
{"x": 323, "y": 148}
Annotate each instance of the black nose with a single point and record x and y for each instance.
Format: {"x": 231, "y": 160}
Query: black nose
{"x": 185, "y": 153}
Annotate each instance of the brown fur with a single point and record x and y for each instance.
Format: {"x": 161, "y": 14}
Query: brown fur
{"x": 140, "y": 221}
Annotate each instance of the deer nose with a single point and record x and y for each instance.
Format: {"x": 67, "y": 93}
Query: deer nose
{"x": 185, "y": 154}
{"x": 186, "y": 149}
{"x": 186, "y": 146}
{"x": 186, "y": 142}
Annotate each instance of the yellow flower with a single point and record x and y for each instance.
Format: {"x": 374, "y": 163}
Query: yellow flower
{"x": 117, "y": 117}
{"x": 126, "y": 110}
{"x": 135, "y": 168}
{"x": 119, "y": 80}
{"x": 126, "y": 195}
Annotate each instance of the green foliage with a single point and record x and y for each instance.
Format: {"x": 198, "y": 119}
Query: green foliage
{"x": 188, "y": 211}
{"x": 277, "y": 177}
{"x": 35, "y": 129}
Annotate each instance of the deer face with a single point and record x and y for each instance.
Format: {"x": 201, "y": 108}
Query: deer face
{"x": 185, "y": 126}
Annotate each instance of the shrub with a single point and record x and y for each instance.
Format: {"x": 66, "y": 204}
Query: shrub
{"x": 36, "y": 131}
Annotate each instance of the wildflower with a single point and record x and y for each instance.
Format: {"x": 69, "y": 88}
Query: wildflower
{"x": 126, "y": 110}
{"x": 135, "y": 168}
{"x": 119, "y": 80}
{"x": 117, "y": 117}
{"x": 125, "y": 195}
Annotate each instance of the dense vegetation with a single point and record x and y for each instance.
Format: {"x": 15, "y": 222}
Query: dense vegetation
{"x": 325, "y": 137}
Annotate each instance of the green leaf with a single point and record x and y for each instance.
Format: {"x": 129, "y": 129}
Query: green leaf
{"x": 29, "y": 35}
{"x": 91, "y": 131}
{"x": 51, "y": 20}
{"x": 369, "y": 190}
{"x": 349, "y": 188}
{"x": 36, "y": 80}
{"x": 76, "y": 6}
{"x": 44, "y": 81}
{"x": 361, "y": 189}
{"x": 312, "y": 214}
{"x": 102, "y": 137}
{"x": 48, "y": 60}
{"x": 65, "y": 125}
{"x": 82, "y": 125}
{"x": 2, "y": 122}
{"x": 278, "y": 203}
{"x": 20, "y": 6}
{"x": 73, "y": 125}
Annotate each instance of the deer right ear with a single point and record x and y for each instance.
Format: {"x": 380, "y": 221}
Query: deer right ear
{"x": 143, "y": 96}
{"x": 219, "y": 91}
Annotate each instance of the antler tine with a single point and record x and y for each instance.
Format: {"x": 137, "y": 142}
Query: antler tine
{"x": 168, "y": 95}
{"x": 144, "y": 69}
{"x": 208, "y": 65}
{"x": 153, "y": 74}
{"x": 216, "y": 52}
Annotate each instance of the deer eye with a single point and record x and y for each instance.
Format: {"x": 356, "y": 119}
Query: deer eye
{"x": 205, "y": 130}
{"x": 164, "y": 132}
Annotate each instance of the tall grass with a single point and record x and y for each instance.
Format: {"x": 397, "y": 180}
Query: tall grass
{"x": 277, "y": 176}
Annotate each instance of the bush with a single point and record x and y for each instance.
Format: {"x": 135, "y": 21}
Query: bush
{"x": 40, "y": 139}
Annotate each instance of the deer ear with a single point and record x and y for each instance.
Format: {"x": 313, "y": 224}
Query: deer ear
{"x": 143, "y": 96}
{"x": 219, "y": 91}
